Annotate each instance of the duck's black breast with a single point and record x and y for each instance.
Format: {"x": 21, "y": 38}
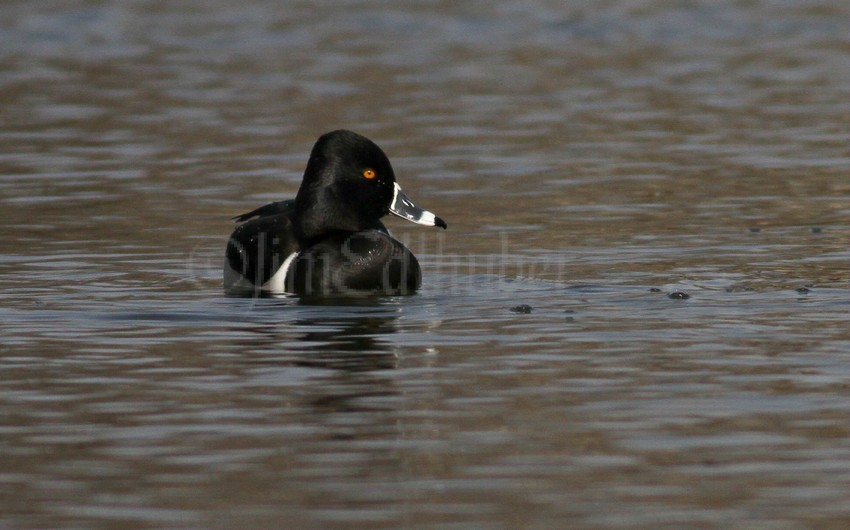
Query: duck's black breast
{"x": 259, "y": 246}
{"x": 369, "y": 261}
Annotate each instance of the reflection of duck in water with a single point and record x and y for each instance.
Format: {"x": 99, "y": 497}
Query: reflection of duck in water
{"x": 353, "y": 349}
{"x": 325, "y": 356}
{"x": 348, "y": 334}
{"x": 349, "y": 345}
{"x": 350, "y": 342}
{"x": 329, "y": 239}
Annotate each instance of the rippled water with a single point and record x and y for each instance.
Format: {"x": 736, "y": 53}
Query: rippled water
{"x": 637, "y": 318}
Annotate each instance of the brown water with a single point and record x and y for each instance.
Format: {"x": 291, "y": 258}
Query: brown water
{"x": 590, "y": 160}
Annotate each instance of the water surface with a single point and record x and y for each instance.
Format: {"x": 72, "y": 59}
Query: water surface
{"x": 637, "y": 318}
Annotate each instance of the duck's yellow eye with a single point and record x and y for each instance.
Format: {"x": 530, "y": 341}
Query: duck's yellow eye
{"x": 369, "y": 173}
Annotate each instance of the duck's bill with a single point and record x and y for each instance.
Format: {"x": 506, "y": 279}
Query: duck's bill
{"x": 403, "y": 207}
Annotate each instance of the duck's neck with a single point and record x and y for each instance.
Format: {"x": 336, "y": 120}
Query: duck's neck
{"x": 312, "y": 221}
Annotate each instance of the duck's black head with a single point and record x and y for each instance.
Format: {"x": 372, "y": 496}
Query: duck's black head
{"x": 349, "y": 184}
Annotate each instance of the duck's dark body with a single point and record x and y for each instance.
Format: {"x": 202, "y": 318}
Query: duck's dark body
{"x": 338, "y": 263}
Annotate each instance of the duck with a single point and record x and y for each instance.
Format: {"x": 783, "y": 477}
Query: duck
{"x": 329, "y": 239}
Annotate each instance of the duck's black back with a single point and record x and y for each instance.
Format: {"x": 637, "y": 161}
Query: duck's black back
{"x": 258, "y": 247}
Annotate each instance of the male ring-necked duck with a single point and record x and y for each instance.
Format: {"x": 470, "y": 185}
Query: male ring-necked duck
{"x": 329, "y": 239}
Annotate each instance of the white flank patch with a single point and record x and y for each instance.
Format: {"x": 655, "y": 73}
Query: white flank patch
{"x": 277, "y": 283}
